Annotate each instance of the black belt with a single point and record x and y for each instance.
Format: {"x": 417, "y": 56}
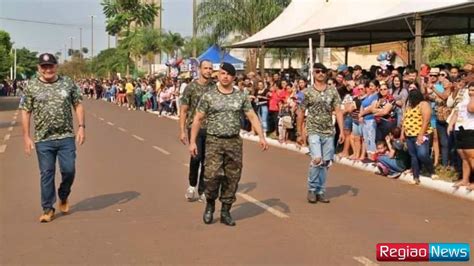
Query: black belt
{"x": 225, "y": 136}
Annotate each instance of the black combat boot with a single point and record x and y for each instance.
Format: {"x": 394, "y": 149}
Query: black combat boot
{"x": 225, "y": 215}
{"x": 209, "y": 211}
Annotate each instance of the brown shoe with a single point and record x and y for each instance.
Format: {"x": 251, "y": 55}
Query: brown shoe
{"x": 47, "y": 216}
{"x": 312, "y": 197}
{"x": 64, "y": 206}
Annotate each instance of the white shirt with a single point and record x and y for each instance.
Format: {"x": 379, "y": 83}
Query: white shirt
{"x": 465, "y": 118}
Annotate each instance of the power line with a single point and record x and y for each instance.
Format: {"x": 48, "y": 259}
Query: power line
{"x": 45, "y": 22}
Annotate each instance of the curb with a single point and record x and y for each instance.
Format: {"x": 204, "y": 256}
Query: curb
{"x": 438, "y": 185}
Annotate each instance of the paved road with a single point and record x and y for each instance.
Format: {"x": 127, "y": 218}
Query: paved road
{"x": 129, "y": 207}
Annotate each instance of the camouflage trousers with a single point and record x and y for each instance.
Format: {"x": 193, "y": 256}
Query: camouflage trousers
{"x": 222, "y": 168}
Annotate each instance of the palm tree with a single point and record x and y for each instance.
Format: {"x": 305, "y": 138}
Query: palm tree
{"x": 198, "y": 43}
{"x": 151, "y": 43}
{"x": 123, "y": 14}
{"x": 172, "y": 41}
{"x": 221, "y": 18}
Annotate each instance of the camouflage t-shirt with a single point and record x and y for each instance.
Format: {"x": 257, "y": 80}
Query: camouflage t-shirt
{"x": 51, "y": 105}
{"x": 191, "y": 96}
{"x": 320, "y": 106}
{"x": 223, "y": 111}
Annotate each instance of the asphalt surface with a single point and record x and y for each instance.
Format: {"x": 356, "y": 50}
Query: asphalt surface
{"x": 128, "y": 204}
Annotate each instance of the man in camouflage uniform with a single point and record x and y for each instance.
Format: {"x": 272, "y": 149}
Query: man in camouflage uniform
{"x": 189, "y": 102}
{"x": 321, "y": 101}
{"x": 50, "y": 99}
{"x": 223, "y": 165}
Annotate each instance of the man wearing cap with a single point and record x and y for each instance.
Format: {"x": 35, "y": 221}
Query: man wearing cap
{"x": 50, "y": 98}
{"x": 223, "y": 165}
{"x": 189, "y": 102}
{"x": 321, "y": 101}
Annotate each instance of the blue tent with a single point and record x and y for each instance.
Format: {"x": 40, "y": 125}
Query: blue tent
{"x": 216, "y": 55}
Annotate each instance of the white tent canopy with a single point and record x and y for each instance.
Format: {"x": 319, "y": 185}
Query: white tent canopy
{"x": 348, "y": 23}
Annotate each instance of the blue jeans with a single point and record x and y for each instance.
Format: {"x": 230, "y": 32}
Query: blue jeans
{"x": 420, "y": 155}
{"x": 48, "y": 151}
{"x": 263, "y": 115}
{"x": 322, "y": 148}
{"x": 442, "y": 130}
{"x": 391, "y": 164}
{"x": 369, "y": 128}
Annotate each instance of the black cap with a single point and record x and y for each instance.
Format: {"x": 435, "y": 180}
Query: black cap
{"x": 47, "y": 59}
{"x": 320, "y": 66}
{"x": 229, "y": 68}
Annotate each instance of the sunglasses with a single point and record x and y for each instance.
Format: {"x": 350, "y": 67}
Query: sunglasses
{"x": 318, "y": 71}
{"x": 385, "y": 89}
{"x": 443, "y": 75}
{"x": 433, "y": 75}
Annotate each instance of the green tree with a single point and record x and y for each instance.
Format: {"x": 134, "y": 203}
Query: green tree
{"x": 5, "y": 54}
{"x": 201, "y": 43}
{"x": 26, "y": 62}
{"x": 448, "y": 49}
{"x": 123, "y": 15}
{"x": 109, "y": 62}
{"x": 172, "y": 42}
{"x": 221, "y": 18}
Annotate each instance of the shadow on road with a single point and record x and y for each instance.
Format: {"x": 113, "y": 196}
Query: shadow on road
{"x": 334, "y": 192}
{"x": 248, "y": 210}
{"x": 247, "y": 187}
{"x": 9, "y": 103}
{"x": 104, "y": 201}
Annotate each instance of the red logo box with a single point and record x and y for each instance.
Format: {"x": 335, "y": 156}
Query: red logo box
{"x": 403, "y": 252}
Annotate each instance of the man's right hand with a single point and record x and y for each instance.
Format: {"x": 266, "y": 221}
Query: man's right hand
{"x": 183, "y": 137}
{"x": 299, "y": 140}
{"x": 28, "y": 145}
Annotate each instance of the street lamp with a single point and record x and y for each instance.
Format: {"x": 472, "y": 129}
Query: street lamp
{"x": 92, "y": 36}
{"x": 72, "y": 51}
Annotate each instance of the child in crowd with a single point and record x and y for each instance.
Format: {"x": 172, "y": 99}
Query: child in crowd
{"x": 397, "y": 159}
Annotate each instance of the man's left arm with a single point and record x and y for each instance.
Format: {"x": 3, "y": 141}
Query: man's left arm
{"x": 76, "y": 98}
{"x": 339, "y": 115}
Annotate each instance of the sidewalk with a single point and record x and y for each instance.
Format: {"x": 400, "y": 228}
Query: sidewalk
{"x": 439, "y": 185}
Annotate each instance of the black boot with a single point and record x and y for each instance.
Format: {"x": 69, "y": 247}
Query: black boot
{"x": 225, "y": 215}
{"x": 209, "y": 211}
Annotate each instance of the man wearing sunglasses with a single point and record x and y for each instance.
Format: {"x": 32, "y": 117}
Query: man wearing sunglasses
{"x": 50, "y": 99}
{"x": 321, "y": 101}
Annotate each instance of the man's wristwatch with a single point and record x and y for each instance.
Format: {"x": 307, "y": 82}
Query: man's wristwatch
{"x": 82, "y": 125}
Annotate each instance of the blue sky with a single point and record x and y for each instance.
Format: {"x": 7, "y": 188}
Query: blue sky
{"x": 177, "y": 17}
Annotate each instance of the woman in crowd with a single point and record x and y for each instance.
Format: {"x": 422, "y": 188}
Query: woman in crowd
{"x": 417, "y": 132}
{"x": 356, "y": 135}
{"x": 400, "y": 95}
{"x": 384, "y": 112}
{"x": 273, "y": 107}
{"x": 367, "y": 119}
{"x": 462, "y": 123}
{"x": 262, "y": 104}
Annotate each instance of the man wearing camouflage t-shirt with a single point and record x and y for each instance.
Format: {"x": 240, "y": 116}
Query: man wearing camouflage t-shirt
{"x": 223, "y": 165}
{"x": 189, "y": 102}
{"x": 321, "y": 101}
{"x": 50, "y": 99}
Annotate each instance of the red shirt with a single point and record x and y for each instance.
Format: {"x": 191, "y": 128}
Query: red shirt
{"x": 273, "y": 101}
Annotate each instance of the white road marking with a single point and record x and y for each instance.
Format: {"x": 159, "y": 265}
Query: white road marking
{"x": 161, "y": 150}
{"x": 138, "y": 137}
{"x": 365, "y": 261}
{"x": 101, "y": 118}
{"x": 10, "y": 129}
{"x": 3, "y": 148}
{"x": 7, "y": 137}
{"x": 122, "y": 129}
{"x": 13, "y": 123}
{"x": 264, "y": 206}
{"x": 110, "y": 124}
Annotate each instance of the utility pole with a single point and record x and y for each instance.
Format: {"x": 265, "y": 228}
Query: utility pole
{"x": 65, "y": 53}
{"x": 194, "y": 29}
{"x": 80, "y": 42}
{"x": 92, "y": 36}
{"x": 72, "y": 47}
{"x": 14, "y": 65}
